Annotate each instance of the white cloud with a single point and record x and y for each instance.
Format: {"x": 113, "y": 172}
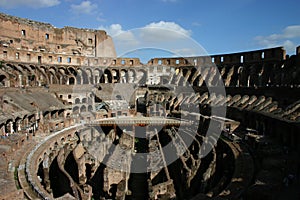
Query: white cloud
{"x": 163, "y": 31}
{"x": 28, "y": 3}
{"x": 113, "y": 29}
{"x": 121, "y": 37}
{"x": 85, "y": 7}
{"x": 289, "y": 36}
{"x": 162, "y": 36}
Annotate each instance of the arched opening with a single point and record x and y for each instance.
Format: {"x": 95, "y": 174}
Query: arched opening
{"x": 239, "y": 79}
{"x": 61, "y": 113}
{"x": 83, "y": 109}
{"x": 83, "y": 76}
{"x": 107, "y": 76}
{"x": 97, "y": 76}
{"x": 142, "y": 76}
{"x": 3, "y": 81}
{"x": 76, "y": 110}
{"x": 60, "y": 76}
{"x": 123, "y": 76}
{"x": 102, "y": 79}
{"x": 9, "y": 126}
{"x": 115, "y": 76}
{"x": 71, "y": 81}
{"x": 131, "y": 76}
{"x": 77, "y": 101}
{"x": 89, "y": 76}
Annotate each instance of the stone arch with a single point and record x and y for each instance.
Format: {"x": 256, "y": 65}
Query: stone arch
{"x": 42, "y": 76}
{"x": 47, "y": 115}
{"x": 72, "y": 71}
{"x": 71, "y": 80}
{"x": 242, "y": 76}
{"x": 252, "y": 75}
{"x": 184, "y": 71}
{"x": 9, "y": 126}
{"x": 78, "y": 78}
{"x": 90, "y": 108}
{"x": 24, "y": 69}
{"x": 63, "y": 78}
{"x": 97, "y": 75}
{"x": 17, "y": 73}
{"x": 197, "y": 80}
{"x": 32, "y": 76}
{"x": 83, "y": 75}
{"x": 191, "y": 77}
{"x": 232, "y": 76}
{"x": 59, "y": 75}
{"x": 90, "y": 76}
{"x": 17, "y": 124}
{"x": 32, "y": 68}
{"x": 60, "y": 113}
{"x": 75, "y": 109}
{"x": 77, "y": 100}
{"x": 107, "y": 76}
{"x": 83, "y": 108}
{"x": 131, "y": 76}
{"x": 21, "y": 68}
{"x": 53, "y": 75}
{"x": 123, "y": 76}
{"x": 53, "y": 113}
{"x": 4, "y": 81}
{"x": 141, "y": 76}
{"x": 115, "y": 75}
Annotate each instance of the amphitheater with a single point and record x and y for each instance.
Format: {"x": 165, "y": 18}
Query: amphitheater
{"x": 78, "y": 122}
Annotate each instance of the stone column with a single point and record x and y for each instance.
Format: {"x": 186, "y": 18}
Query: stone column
{"x": 20, "y": 80}
{"x": 46, "y": 169}
{"x": 82, "y": 170}
{"x": 18, "y": 123}
{"x": 26, "y": 81}
{"x": 11, "y": 127}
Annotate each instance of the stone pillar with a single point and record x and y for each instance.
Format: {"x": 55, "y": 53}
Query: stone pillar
{"x": 18, "y": 125}
{"x": 26, "y": 81}
{"x": 105, "y": 78}
{"x": 20, "y": 80}
{"x": 82, "y": 170}
{"x": 11, "y": 127}
{"x": 46, "y": 169}
{"x": 7, "y": 83}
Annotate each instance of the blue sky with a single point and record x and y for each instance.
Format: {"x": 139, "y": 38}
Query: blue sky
{"x": 219, "y": 26}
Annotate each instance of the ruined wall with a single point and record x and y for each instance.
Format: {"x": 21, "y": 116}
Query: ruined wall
{"x": 271, "y": 54}
{"x": 8, "y": 53}
{"x": 23, "y": 34}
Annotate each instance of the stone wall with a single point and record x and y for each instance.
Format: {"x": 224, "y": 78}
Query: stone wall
{"x": 35, "y": 36}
